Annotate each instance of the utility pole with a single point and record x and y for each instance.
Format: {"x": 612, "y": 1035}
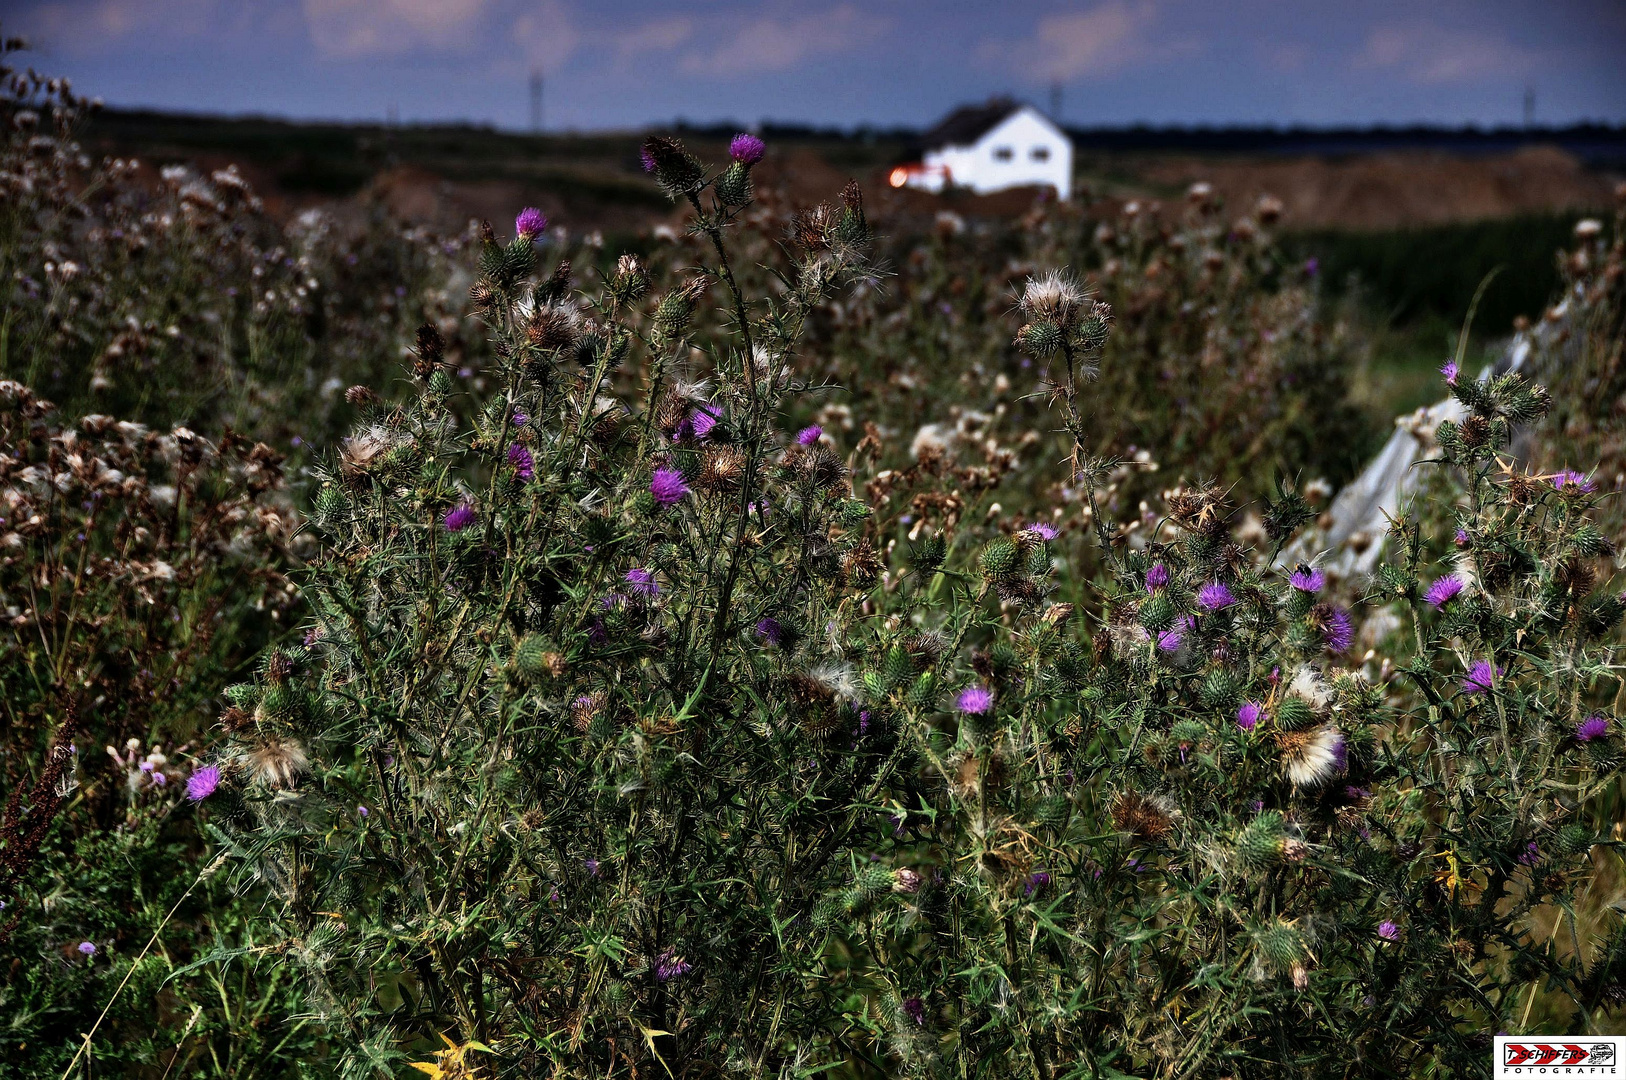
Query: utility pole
{"x": 1055, "y": 100}
{"x": 1529, "y": 106}
{"x": 536, "y": 101}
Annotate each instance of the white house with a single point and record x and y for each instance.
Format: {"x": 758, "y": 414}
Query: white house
{"x": 1002, "y": 144}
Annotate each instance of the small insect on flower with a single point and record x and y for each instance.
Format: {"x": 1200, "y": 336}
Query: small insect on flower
{"x": 87, "y": 948}
{"x": 1247, "y": 717}
{"x": 1308, "y": 579}
{"x": 1388, "y": 931}
{"x": 1450, "y": 371}
{"x": 530, "y": 223}
{"x": 203, "y": 783}
{"x": 1593, "y": 727}
{"x": 809, "y": 435}
{"x": 975, "y": 700}
{"x": 1443, "y": 590}
{"x": 747, "y": 149}
{"x": 668, "y": 487}
{"x": 1214, "y": 596}
{"x": 458, "y": 517}
{"x": 1480, "y": 679}
{"x": 643, "y": 583}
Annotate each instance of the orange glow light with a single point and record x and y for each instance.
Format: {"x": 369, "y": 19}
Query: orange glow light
{"x": 899, "y": 177}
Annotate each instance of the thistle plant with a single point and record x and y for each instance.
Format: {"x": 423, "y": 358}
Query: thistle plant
{"x": 625, "y": 739}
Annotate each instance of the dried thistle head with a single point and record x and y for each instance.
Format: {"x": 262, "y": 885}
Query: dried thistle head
{"x": 1054, "y": 298}
{"x": 1147, "y": 817}
{"x": 275, "y": 762}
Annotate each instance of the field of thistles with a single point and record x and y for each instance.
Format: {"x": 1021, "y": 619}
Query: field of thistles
{"x": 787, "y": 651}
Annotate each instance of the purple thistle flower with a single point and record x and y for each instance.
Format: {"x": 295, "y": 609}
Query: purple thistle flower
{"x": 668, "y": 487}
{"x": 1593, "y": 727}
{"x": 1214, "y": 596}
{"x": 1336, "y": 629}
{"x": 915, "y": 1009}
{"x": 1312, "y": 266}
{"x": 1480, "y": 677}
{"x": 1450, "y": 371}
{"x": 530, "y": 223}
{"x": 1461, "y": 538}
{"x": 863, "y": 722}
{"x": 363, "y": 812}
{"x": 1308, "y": 580}
{"x": 1531, "y": 854}
{"x": 643, "y": 582}
{"x": 1037, "y": 881}
{"x": 1046, "y": 532}
{"x": 703, "y": 419}
{"x": 613, "y": 601}
{"x": 1388, "y": 931}
{"x": 458, "y": 517}
{"x": 520, "y": 458}
{"x": 1157, "y": 577}
{"x": 975, "y": 700}
{"x": 1443, "y": 590}
{"x": 1569, "y": 478}
{"x": 1247, "y": 717}
{"x": 809, "y": 435}
{"x": 592, "y": 867}
{"x": 159, "y": 779}
{"x": 770, "y": 630}
{"x": 1340, "y": 752}
{"x": 647, "y": 159}
{"x": 87, "y": 948}
{"x": 202, "y": 783}
{"x": 1171, "y": 639}
{"x": 669, "y": 965}
{"x": 746, "y": 149}
{"x": 520, "y": 419}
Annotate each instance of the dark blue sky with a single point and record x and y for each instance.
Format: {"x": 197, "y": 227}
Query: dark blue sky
{"x": 621, "y": 63}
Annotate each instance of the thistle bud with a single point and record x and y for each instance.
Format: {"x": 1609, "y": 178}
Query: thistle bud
{"x": 440, "y": 384}
{"x": 924, "y": 691}
{"x": 897, "y": 668}
{"x": 1281, "y": 945}
{"x": 1261, "y": 842}
{"x": 361, "y": 397}
{"x": 1001, "y": 560}
{"x": 674, "y": 168}
{"x": 874, "y": 879}
{"x": 531, "y": 657}
{"x": 1158, "y": 612}
{"x": 734, "y": 186}
{"x": 1294, "y": 714}
{"x": 330, "y": 502}
{"x": 630, "y": 280}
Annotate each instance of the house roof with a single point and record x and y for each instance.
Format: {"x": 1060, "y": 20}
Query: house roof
{"x": 968, "y": 123}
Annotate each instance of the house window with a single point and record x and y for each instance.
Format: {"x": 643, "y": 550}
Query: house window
{"x": 1040, "y": 153}
{"x": 1003, "y": 153}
